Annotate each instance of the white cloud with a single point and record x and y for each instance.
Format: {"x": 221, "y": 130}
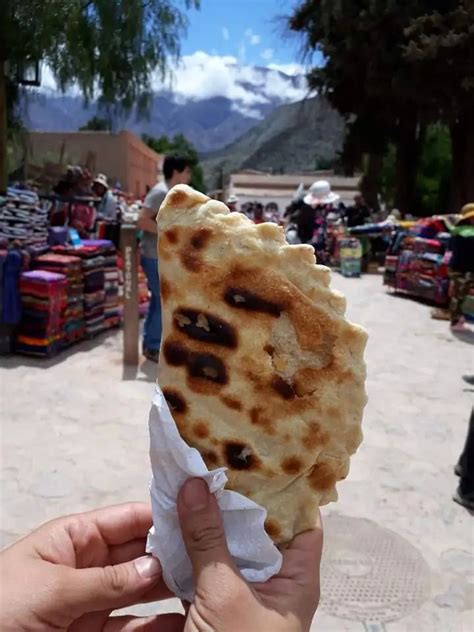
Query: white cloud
{"x": 202, "y": 76}
{"x": 248, "y": 33}
{"x": 225, "y": 33}
{"x": 267, "y": 54}
{"x": 288, "y": 69}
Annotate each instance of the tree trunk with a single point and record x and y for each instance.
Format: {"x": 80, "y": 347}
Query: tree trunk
{"x": 409, "y": 144}
{"x": 370, "y": 183}
{"x": 462, "y": 142}
{"x": 351, "y": 154}
{"x": 3, "y": 129}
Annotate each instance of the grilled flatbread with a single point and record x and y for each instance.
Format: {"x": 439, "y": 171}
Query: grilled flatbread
{"x": 261, "y": 370}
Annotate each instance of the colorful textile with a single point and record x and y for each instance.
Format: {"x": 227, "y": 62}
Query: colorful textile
{"x": 41, "y": 329}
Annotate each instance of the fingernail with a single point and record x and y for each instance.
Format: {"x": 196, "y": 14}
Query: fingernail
{"x": 147, "y": 566}
{"x": 195, "y": 494}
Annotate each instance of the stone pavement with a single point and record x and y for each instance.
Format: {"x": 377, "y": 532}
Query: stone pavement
{"x": 398, "y": 550}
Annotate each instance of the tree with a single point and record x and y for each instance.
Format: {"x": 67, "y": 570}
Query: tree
{"x": 180, "y": 146}
{"x": 97, "y": 124}
{"x": 108, "y": 48}
{"x": 440, "y": 49}
{"x": 433, "y": 175}
{"x": 375, "y": 72}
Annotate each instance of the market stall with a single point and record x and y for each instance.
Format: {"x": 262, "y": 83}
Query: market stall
{"x": 60, "y": 276}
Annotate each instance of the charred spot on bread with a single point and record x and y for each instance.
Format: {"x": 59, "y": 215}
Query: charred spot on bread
{"x": 272, "y": 528}
{"x": 282, "y": 388}
{"x": 322, "y": 477}
{"x": 239, "y": 456}
{"x": 172, "y": 235}
{"x": 201, "y": 429}
{"x": 258, "y": 418}
{"x": 175, "y": 353}
{"x": 175, "y": 400}
{"x": 207, "y": 366}
{"x": 200, "y": 237}
{"x": 292, "y": 465}
{"x": 210, "y": 457}
{"x": 205, "y": 327}
{"x": 191, "y": 261}
{"x": 231, "y": 402}
{"x": 165, "y": 289}
{"x": 245, "y": 299}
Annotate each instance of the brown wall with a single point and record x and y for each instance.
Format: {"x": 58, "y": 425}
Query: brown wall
{"x": 123, "y": 156}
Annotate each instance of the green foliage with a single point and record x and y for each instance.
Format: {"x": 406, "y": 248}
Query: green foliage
{"x": 109, "y": 48}
{"x": 97, "y": 124}
{"x": 180, "y": 146}
{"x": 433, "y": 176}
{"x": 392, "y": 68}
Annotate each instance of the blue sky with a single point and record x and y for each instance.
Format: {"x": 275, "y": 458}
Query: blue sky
{"x": 225, "y": 42}
{"x": 248, "y": 30}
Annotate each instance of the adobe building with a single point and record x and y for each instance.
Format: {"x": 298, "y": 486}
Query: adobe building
{"x": 252, "y": 186}
{"x": 121, "y": 156}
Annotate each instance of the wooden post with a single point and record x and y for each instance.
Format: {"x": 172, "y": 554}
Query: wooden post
{"x": 128, "y": 239}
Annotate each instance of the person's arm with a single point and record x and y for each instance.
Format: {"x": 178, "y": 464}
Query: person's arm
{"x": 147, "y": 221}
{"x": 149, "y": 211}
{"x": 72, "y": 572}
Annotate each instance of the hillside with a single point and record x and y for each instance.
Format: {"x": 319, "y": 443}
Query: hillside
{"x": 299, "y": 136}
{"x": 211, "y": 115}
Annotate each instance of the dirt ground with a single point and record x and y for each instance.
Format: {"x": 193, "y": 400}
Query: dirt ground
{"x": 398, "y": 550}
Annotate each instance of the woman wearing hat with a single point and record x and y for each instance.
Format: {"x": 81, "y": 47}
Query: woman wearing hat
{"x": 107, "y": 208}
{"x": 461, "y": 266}
{"x": 308, "y": 213}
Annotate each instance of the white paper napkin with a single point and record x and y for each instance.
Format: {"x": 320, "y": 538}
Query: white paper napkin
{"x": 172, "y": 463}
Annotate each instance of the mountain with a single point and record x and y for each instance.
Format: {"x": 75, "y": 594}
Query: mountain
{"x": 212, "y": 102}
{"x": 300, "y": 136}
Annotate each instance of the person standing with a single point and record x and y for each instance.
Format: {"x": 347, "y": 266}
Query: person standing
{"x": 108, "y": 204}
{"x": 359, "y": 213}
{"x": 461, "y": 266}
{"x": 176, "y": 170}
{"x": 465, "y": 469}
{"x": 232, "y": 203}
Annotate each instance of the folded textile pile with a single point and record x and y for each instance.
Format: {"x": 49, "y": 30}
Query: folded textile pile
{"x": 99, "y": 267}
{"x": 44, "y": 300}
{"x": 71, "y": 267}
{"x": 94, "y": 293}
{"x": 421, "y": 269}
{"x": 24, "y": 218}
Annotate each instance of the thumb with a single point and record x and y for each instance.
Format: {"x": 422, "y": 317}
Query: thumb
{"x": 110, "y": 587}
{"x": 202, "y": 529}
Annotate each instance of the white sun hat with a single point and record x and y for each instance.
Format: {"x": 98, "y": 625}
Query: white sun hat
{"x": 320, "y": 193}
{"x": 232, "y": 199}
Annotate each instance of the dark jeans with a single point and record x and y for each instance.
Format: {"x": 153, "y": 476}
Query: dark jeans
{"x": 152, "y": 327}
{"x": 466, "y": 460}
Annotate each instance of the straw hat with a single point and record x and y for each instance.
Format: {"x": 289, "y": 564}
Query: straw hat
{"x": 467, "y": 212}
{"x": 101, "y": 179}
{"x": 320, "y": 193}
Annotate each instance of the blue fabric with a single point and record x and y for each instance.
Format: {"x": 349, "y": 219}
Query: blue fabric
{"x": 152, "y": 328}
{"x": 11, "y": 303}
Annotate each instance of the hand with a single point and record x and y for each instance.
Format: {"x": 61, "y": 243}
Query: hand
{"x": 224, "y": 601}
{"x": 72, "y": 572}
